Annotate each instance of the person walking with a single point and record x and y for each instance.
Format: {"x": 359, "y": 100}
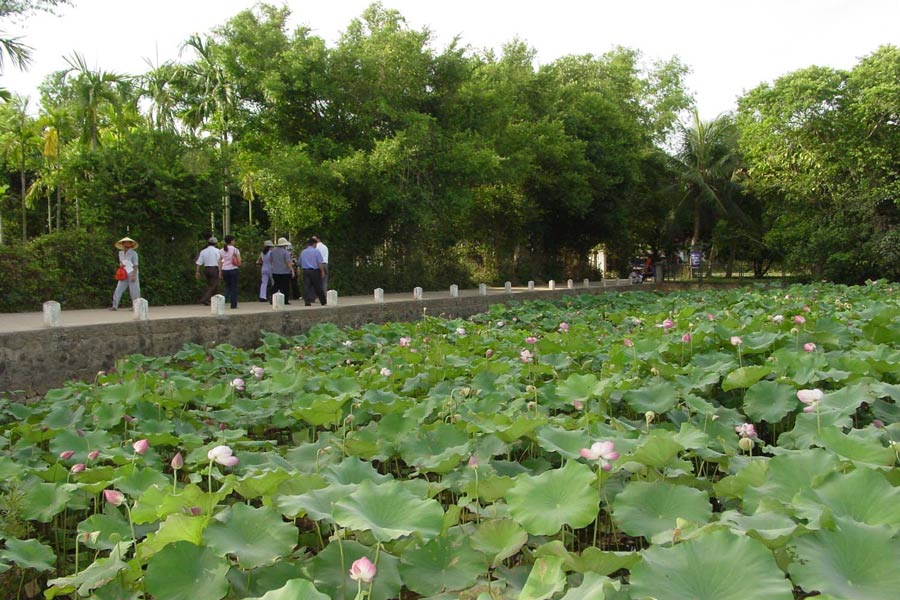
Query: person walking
{"x": 128, "y": 260}
{"x": 282, "y": 269}
{"x": 229, "y": 267}
{"x": 313, "y": 271}
{"x": 295, "y": 281}
{"x": 323, "y": 250}
{"x": 264, "y": 262}
{"x": 208, "y": 260}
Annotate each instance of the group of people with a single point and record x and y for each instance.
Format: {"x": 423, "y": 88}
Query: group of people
{"x": 280, "y": 271}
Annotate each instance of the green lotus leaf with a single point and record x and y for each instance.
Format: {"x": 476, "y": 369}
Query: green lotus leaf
{"x": 807, "y": 427}
{"x": 603, "y": 562}
{"x": 769, "y": 401}
{"x": 716, "y": 566}
{"x": 787, "y": 474}
{"x": 389, "y": 511}
{"x": 744, "y": 377}
{"x": 854, "y": 561}
{"x": 863, "y": 495}
{"x": 546, "y": 579}
{"x": 437, "y": 449}
{"x": 256, "y": 536}
{"x": 567, "y": 444}
{"x": 660, "y": 398}
{"x": 648, "y": 509}
{"x": 29, "y": 554}
{"x": 258, "y": 484}
{"x": 330, "y": 571}
{"x": 691, "y": 437}
{"x": 97, "y": 574}
{"x": 857, "y": 448}
{"x": 43, "y": 501}
{"x": 566, "y": 496}
{"x": 499, "y": 539}
{"x": 353, "y": 470}
{"x": 578, "y": 387}
{"x": 158, "y": 502}
{"x": 294, "y": 589}
{"x": 318, "y": 409}
{"x": 317, "y": 504}
{"x": 176, "y": 528}
{"x": 752, "y": 475}
{"x": 111, "y": 529}
{"x": 658, "y": 450}
{"x": 593, "y": 587}
{"x": 444, "y": 564}
{"x": 772, "y": 529}
{"x": 183, "y": 571}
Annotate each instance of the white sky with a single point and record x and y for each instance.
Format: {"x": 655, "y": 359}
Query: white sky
{"x": 730, "y": 45}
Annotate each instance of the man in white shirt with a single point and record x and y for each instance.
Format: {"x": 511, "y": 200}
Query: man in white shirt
{"x": 209, "y": 260}
{"x": 323, "y": 250}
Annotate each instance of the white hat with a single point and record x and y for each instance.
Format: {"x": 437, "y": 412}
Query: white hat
{"x": 283, "y": 242}
{"x": 121, "y": 243}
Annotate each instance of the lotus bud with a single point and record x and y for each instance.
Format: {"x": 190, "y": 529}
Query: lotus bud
{"x": 93, "y": 454}
{"x": 745, "y": 444}
{"x": 349, "y": 419}
{"x": 532, "y": 405}
{"x": 177, "y": 461}
{"x": 649, "y": 416}
{"x": 488, "y": 353}
{"x": 67, "y": 454}
{"x": 794, "y": 331}
{"x": 77, "y": 468}
{"x": 654, "y": 371}
{"x": 530, "y": 389}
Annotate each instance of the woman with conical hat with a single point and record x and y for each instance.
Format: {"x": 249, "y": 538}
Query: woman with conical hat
{"x": 128, "y": 260}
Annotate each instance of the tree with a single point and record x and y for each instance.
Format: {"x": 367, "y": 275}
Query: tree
{"x": 20, "y": 143}
{"x": 91, "y": 90}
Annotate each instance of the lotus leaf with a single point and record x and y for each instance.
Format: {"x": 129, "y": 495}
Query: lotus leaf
{"x": 647, "y": 509}
{"x": 389, "y": 511}
{"x": 255, "y": 536}
{"x": 566, "y": 496}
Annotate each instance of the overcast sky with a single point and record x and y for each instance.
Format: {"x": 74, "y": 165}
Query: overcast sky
{"x": 731, "y": 46}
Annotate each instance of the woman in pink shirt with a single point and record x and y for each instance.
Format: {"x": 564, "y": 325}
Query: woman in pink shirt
{"x": 229, "y": 261}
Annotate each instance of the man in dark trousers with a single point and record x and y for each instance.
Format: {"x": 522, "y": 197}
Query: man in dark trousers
{"x": 313, "y": 271}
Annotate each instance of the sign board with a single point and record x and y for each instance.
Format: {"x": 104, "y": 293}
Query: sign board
{"x": 696, "y": 256}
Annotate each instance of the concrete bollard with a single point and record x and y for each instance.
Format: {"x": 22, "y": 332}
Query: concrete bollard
{"x": 379, "y": 295}
{"x": 570, "y": 284}
{"x": 454, "y": 291}
{"x": 52, "y": 314}
{"x": 482, "y": 289}
{"x": 530, "y": 286}
{"x": 217, "y": 305}
{"x": 332, "y": 298}
{"x": 141, "y": 309}
{"x": 507, "y": 287}
{"x": 551, "y": 284}
{"x": 587, "y": 283}
{"x": 417, "y": 293}
{"x": 603, "y": 282}
{"x": 278, "y": 301}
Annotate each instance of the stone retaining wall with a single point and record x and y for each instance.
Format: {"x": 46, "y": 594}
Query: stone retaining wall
{"x": 33, "y": 362}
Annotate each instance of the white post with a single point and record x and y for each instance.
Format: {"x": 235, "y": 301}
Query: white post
{"x": 52, "y": 311}
{"x": 332, "y": 298}
{"x": 217, "y": 305}
{"x": 417, "y": 293}
{"x": 587, "y": 283}
{"x": 570, "y": 284}
{"x": 551, "y": 284}
{"x": 482, "y": 289}
{"x": 507, "y": 287}
{"x": 454, "y": 291}
{"x": 278, "y": 301}
{"x": 530, "y": 286}
{"x": 379, "y": 295}
{"x": 141, "y": 309}
{"x": 603, "y": 281}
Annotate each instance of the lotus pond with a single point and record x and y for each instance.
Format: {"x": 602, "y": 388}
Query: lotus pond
{"x": 716, "y": 445}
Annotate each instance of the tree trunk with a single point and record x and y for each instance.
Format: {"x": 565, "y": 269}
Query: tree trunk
{"x": 58, "y": 208}
{"x": 695, "y": 240}
{"x": 24, "y": 219}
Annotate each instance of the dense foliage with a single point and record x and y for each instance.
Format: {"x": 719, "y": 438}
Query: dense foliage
{"x": 734, "y": 445}
{"x": 423, "y": 166}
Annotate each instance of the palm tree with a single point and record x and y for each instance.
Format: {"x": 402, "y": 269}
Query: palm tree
{"x": 156, "y": 85}
{"x": 93, "y": 89}
{"x": 705, "y": 165}
{"x": 20, "y": 143}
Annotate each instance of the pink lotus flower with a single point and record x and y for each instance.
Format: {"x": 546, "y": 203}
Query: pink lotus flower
{"x": 93, "y": 454}
{"x": 128, "y": 419}
{"x": 710, "y": 317}
{"x": 473, "y": 462}
{"x": 736, "y": 340}
{"x": 564, "y": 327}
{"x": 531, "y": 340}
{"x": 67, "y": 454}
{"x": 526, "y": 356}
{"x": 223, "y": 456}
{"x": 77, "y": 468}
{"x": 238, "y": 384}
{"x": 363, "y": 570}
{"x": 114, "y": 497}
{"x": 603, "y": 452}
{"x": 488, "y": 353}
{"x": 461, "y": 331}
{"x": 405, "y": 341}
{"x": 686, "y": 338}
{"x": 877, "y": 423}
{"x": 810, "y": 398}
{"x": 577, "y": 404}
{"x": 141, "y": 446}
{"x": 668, "y": 324}
{"x": 628, "y": 343}
{"x": 257, "y": 372}
{"x": 809, "y": 347}
{"x": 778, "y": 319}
{"x": 799, "y": 319}
{"x": 177, "y": 461}
{"x": 501, "y": 323}
{"x": 385, "y": 372}
{"x": 746, "y": 430}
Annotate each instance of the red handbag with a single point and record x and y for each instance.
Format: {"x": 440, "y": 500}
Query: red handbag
{"x": 121, "y": 275}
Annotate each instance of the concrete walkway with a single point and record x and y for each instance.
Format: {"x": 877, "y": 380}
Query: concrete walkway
{"x": 33, "y": 321}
